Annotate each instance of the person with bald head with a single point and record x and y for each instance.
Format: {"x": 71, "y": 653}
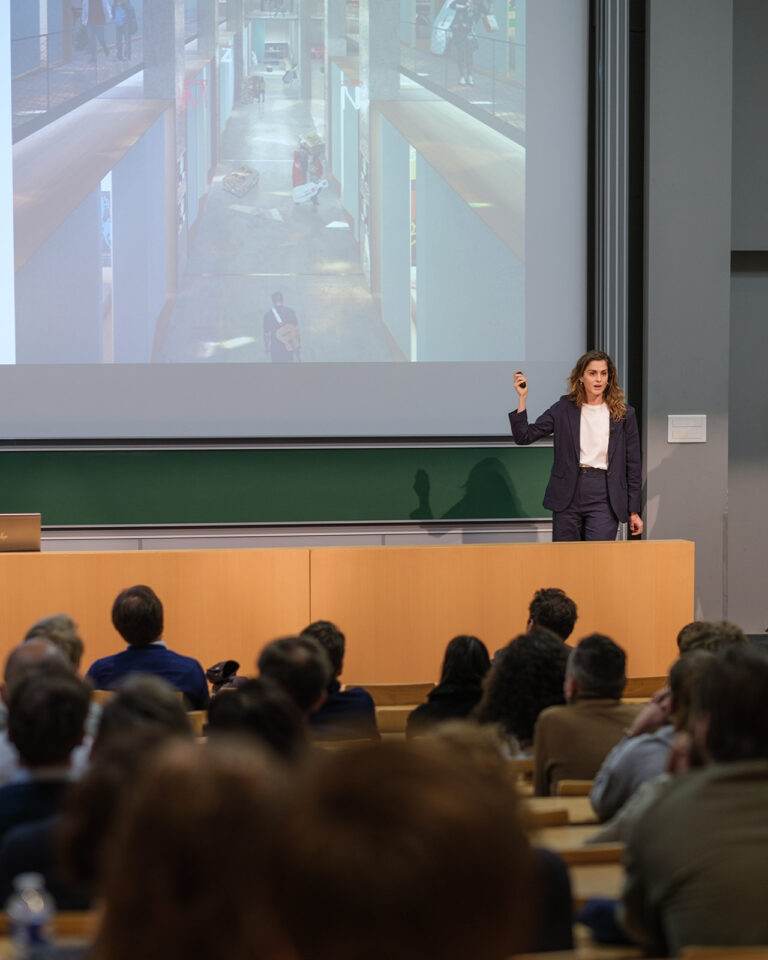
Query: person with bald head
{"x": 33, "y": 657}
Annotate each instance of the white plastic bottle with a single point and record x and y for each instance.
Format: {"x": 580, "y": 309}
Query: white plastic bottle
{"x": 31, "y": 911}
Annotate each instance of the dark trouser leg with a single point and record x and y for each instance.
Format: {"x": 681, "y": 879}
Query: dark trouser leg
{"x": 589, "y": 515}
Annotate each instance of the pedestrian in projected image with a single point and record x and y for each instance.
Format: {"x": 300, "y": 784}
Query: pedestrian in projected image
{"x": 96, "y": 13}
{"x": 468, "y": 12}
{"x": 281, "y": 332}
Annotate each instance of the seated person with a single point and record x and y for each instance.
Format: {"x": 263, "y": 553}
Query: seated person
{"x": 262, "y": 711}
{"x": 137, "y": 615}
{"x": 551, "y": 609}
{"x": 46, "y": 718}
{"x": 63, "y": 633}
{"x": 571, "y": 742}
{"x": 346, "y": 714}
{"x": 639, "y": 756}
{"x": 28, "y": 656}
{"x": 301, "y": 667}
{"x": 465, "y": 665}
{"x": 527, "y": 677}
{"x": 407, "y": 850}
{"x": 191, "y": 859}
{"x": 697, "y": 858}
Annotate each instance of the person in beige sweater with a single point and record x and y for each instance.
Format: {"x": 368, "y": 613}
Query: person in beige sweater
{"x": 570, "y": 742}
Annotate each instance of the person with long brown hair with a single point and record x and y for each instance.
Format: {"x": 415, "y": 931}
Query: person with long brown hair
{"x": 187, "y": 872}
{"x": 596, "y": 478}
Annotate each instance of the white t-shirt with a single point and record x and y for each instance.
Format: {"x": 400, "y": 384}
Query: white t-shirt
{"x": 593, "y": 436}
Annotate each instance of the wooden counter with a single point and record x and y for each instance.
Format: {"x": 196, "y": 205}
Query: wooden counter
{"x": 398, "y": 606}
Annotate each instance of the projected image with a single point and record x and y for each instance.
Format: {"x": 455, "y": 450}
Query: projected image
{"x": 389, "y": 184}
{"x": 298, "y": 186}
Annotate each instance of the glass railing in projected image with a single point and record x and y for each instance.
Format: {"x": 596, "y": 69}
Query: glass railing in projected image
{"x": 498, "y": 71}
{"x": 53, "y": 73}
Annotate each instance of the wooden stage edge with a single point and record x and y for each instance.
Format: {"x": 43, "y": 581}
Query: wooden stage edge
{"x": 398, "y": 606}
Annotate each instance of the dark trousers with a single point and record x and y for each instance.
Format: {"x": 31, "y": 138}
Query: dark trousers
{"x": 589, "y": 515}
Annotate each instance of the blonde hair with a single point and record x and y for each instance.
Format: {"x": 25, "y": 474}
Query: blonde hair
{"x": 614, "y": 395}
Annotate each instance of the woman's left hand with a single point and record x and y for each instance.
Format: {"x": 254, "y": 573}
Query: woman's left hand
{"x": 635, "y": 524}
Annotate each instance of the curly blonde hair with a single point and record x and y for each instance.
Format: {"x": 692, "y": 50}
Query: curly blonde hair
{"x": 614, "y": 395}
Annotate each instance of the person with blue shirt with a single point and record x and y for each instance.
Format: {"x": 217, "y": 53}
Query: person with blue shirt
{"x": 137, "y": 615}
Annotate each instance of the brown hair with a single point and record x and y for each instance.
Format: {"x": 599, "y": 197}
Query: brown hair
{"x": 403, "y": 849}
{"x": 186, "y": 873}
{"x": 614, "y": 395}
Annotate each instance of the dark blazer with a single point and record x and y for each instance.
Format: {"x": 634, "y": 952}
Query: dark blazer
{"x": 563, "y": 419}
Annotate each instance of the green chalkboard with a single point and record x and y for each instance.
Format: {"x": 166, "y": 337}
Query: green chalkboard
{"x": 263, "y": 485}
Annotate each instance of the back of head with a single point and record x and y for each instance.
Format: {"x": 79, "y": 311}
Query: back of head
{"x": 331, "y": 639}
{"x": 300, "y": 666}
{"x": 142, "y": 701}
{"x": 92, "y": 806}
{"x": 61, "y": 630}
{"x": 709, "y": 635}
{"x": 552, "y": 609}
{"x": 684, "y": 679}
{"x": 188, "y": 867}
{"x": 28, "y": 656}
{"x": 598, "y": 668}
{"x": 137, "y": 615}
{"x": 261, "y": 710}
{"x": 526, "y": 678}
{"x": 405, "y": 850}
{"x": 46, "y": 714}
{"x": 466, "y": 662}
{"x": 733, "y": 699}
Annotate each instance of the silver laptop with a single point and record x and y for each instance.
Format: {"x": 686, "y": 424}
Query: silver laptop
{"x": 19, "y": 531}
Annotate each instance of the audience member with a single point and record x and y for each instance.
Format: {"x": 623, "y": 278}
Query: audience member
{"x": 405, "y": 850}
{"x": 347, "y": 714}
{"x": 685, "y": 677}
{"x": 142, "y": 701}
{"x": 301, "y": 667}
{"x": 709, "y": 635}
{"x": 263, "y": 711}
{"x": 571, "y": 741}
{"x": 551, "y": 926}
{"x": 187, "y": 873}
{"x": 46, "y": 717}
{"x": 642, "y": 756}
{"x": 92, "y": 808}
{"x": 696, "y": 859}
{"x": 137, "y": 615}
{"x": 527, "y": 677}
{"x": 62, "y": 631}
{"x": 552, "y": 609}
{"x": 23, "y": 659}
{"x": 465, "y": 665}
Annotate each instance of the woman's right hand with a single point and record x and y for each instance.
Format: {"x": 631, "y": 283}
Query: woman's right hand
{"x": 521, "y": 384}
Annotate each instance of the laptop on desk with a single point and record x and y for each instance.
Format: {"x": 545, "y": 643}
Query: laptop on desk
{"x": 19, "y": 531}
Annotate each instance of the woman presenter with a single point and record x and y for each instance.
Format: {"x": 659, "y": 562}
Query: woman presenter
{"x": 596, "y": 477}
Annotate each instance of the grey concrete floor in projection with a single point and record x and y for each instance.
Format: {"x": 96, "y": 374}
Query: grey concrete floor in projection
{"x": 245, "y": 248}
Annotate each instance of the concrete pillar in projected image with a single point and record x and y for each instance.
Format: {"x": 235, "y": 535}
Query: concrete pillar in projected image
{"x": 235, "y": 25}
{"x": 335, "y": 46}
{"x": 380, "y": 76}
{"x": 164, "y": 79}
{"x": 7, "y": 310}
{"x": 206, "y": 27}
{"x": 206, "y": 46}
{"x": 304, "y": 53}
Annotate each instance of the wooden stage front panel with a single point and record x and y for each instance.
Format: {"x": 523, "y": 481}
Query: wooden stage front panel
{"x": 218, "y": 604}
{"x": 398, "y": 606}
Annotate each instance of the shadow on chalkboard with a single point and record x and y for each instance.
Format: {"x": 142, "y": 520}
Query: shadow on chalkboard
{"x": 489, "y": 494}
